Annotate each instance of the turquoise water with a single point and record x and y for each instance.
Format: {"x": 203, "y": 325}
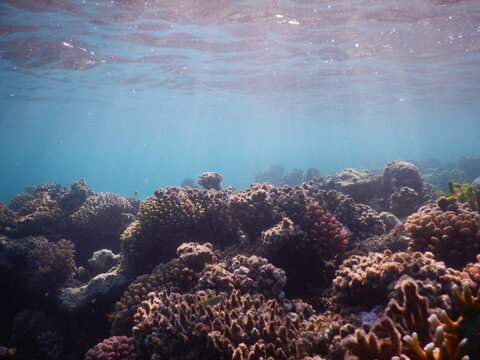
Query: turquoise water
{"x": 134, "y": 95}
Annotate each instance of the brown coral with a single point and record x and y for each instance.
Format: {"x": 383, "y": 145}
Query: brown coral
{"x": 452, "y": 236}
{"x": 50, "y": 265}
{"x": 172, "y": 276}
{"x": 240, "y": 327}
{"x": 113, "y": 348}
{"x": 362, "y": 282}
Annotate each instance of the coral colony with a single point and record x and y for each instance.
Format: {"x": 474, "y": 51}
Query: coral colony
{"x": 355, "y": 266}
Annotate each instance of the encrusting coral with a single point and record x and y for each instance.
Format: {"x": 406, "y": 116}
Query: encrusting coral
{"x": 452, "y": 235}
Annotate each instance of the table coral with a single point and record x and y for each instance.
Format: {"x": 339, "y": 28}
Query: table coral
{"x": 452, "y": 236}
{"x": 113, "y": 348}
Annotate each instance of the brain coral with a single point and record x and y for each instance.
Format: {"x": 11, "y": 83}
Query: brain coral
{"x": 452, "y": 236}
{"x": 174, "y": 326}
{"x": 113, "y": 348}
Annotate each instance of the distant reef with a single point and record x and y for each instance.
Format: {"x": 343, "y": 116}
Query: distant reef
{"x": 358, "y": 265}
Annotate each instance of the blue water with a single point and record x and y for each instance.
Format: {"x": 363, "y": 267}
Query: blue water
{"x": 134, "y": 95}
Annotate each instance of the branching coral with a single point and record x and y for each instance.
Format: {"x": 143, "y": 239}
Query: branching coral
{"x": 37, "y": 214}
{"x": 360, "y": 219}
{"x": 451, "y": 235}
{"x": 7, "y": 219}
{"x": 50, "y": 265}
{"x": 253, "y": 209}
{"x": 363, "y": 282}
{"x": 172, "y": 276}
{"x": 452, "y": 340}
{"x": 163, "y": 222}
{"x": 169, "y": 210}
{"x": 250, "y": 275}
{"x": 240, "y": 327}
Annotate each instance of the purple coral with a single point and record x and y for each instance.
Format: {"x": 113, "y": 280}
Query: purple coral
{"x": 113, "y": 348}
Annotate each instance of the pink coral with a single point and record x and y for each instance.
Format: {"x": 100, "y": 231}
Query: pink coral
{"x": 113, "y": 348}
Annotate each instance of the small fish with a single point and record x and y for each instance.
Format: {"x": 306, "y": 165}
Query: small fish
{"x": 212, "y": 301}
{"x": 135, "y": 192}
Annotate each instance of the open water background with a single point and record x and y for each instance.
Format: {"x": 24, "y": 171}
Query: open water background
{"x": 136, "y": 95}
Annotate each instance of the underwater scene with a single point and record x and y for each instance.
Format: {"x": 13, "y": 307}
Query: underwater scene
{"x": 240, "y": 180}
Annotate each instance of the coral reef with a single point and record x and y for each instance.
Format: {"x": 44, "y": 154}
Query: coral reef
{"x": 253, "y": 209}
{"x": 113, "y": 348}
{"x": 210, "y": 180}
{"x": 163, "y": 219}
{"x": 451, "y": 235}
{"x": 172, "y": 276}
{"x": 398, "y": 174}
{"x": 50, "y": 265}
{"x": 175, "y": 326}
{"x": 360, "y": 219}
{"x": 36, "y": 214}
{"x": 7, "y": 219}
{"x": 34, "y": 337}
{"x": 250, "y": 275}
{"x": 194, "y": 255}
{"x": 363, "y": 282}
{"x": 98, "y": 223}
{"x": 404, "y": 202}
{"x": 269, "y": 272}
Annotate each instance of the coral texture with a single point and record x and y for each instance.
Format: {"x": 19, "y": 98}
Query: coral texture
{"x": 113, "y": 348}
{"x": 452, "y": 236}
{"x": 174, "y": 326}
{"x": 210, "y": 180}
{"x": 360, "y": 219}
{"x": 362, "y": 282}
{"x": 398, "y": 174}
{"x": 51, "y": 265}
